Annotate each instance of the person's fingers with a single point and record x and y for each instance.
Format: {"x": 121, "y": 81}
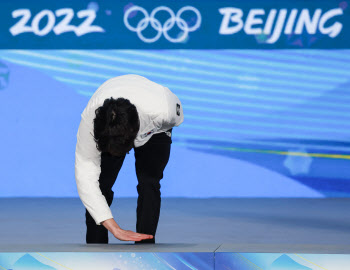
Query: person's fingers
{"x": 138, "y": 238}
{"x": 130, "y": 238}
{"x": 134, "y": 236}
{"x": 141, "y": 235}
{"x": 145, "y": 235}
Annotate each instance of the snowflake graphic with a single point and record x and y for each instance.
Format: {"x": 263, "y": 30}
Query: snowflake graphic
{"x": 298, "y": 161}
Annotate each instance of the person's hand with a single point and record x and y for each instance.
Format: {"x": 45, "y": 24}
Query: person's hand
{"x": 126, "y": 235}
{"x": 123, "y": 235}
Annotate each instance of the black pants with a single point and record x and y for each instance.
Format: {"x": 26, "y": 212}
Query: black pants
{"x": 150, "y": 162}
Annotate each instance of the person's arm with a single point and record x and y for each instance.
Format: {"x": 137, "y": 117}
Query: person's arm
{"x": 87, "y": 172}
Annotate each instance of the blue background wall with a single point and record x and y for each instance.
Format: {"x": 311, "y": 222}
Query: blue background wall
{"x": 258, "y": 122}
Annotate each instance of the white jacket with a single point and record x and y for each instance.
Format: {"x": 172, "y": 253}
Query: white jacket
{"x": 158, "y": 109}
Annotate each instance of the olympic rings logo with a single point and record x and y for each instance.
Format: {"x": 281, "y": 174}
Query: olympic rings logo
{"x": 168, "y": 24}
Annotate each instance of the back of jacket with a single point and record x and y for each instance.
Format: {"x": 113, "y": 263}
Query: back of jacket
{"x": 159, "y": 110}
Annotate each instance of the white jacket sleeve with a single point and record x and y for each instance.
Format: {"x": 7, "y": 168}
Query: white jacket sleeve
{"x": 87, "y": 172}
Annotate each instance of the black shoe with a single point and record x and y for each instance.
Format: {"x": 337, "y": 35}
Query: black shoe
{"x": 146, "y": 241}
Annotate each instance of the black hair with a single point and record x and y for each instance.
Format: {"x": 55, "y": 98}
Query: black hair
{"x": 115, "y": 126}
